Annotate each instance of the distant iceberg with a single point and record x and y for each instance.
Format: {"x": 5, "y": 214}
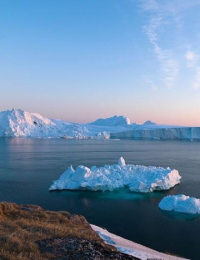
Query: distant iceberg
{"x": 111, "y": 177}
{"x": 149, "y": 123}
{"x": 19, "y": 123}
{"x": 178, "y": 133}
{"x": 112, "y": 121}
{"x": 180, "y": 203}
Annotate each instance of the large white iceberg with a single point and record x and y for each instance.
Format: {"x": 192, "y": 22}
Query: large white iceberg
{"x": 180, "y": 203}
{"x": 111, "y": 177}
{"x": 19, "y": 123}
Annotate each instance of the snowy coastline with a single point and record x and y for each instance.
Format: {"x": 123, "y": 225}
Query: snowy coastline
{"x": 131, "y": 248}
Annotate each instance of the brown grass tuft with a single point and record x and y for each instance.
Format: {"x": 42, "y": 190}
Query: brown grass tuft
{"x": 22, "y": 225}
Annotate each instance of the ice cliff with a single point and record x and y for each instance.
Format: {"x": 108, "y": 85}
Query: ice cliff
{"x": 111, "y": 177}
{"x": 178, "y": 133}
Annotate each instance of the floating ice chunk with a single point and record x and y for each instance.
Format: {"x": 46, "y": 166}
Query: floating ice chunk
{"x": 121, "y": 162}
{"x": 180, "y": 203}
{"x": 137, "y": 178}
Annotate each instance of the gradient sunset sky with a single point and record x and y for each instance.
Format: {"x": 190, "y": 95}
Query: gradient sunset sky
{"x": 79, "y": 60}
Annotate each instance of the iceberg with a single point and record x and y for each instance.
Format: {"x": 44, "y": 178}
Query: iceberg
{"x": 137, "y": 178}
{"x": 112, "y": 121}
{"x": 159, "y": 133}
{"x": 180, "y": 203}
{"x": 149, "y": 123}
{"x": 19, "y": 123}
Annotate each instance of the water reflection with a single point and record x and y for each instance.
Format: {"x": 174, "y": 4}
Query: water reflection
{"x": 121, "y": 194}
{"x": 28, "y": 167}
{"x": 180, "y": 216}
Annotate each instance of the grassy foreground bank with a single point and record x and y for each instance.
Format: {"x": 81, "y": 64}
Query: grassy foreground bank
{"x": 29, "y": 232}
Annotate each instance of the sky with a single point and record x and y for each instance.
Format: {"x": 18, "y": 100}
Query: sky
{"x": 82, "y": 60}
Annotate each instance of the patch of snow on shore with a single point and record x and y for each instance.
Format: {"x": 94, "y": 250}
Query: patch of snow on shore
{"x": 137, "y": 178}
{"x": 130, "y": 248}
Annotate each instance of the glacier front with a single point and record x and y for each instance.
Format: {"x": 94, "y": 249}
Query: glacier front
{"x": 180, "y": 203}
{"x": 137, "y": 178}
{"x": 159, "y": 133}
{"x": 19, "y": 123}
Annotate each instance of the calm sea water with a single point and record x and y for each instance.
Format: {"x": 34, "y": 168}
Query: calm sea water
{"x": 28, "y": 166}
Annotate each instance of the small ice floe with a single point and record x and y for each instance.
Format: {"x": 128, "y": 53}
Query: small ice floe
{"x": 180, "y": 203}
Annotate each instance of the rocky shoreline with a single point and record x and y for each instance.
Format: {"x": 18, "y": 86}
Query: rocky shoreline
{"x": 79, "y": 249}
{"x": 28, "y": 232}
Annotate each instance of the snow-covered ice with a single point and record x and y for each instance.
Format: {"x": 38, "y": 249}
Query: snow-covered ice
{"x": 111, "y": 177}
{"x": 131, "y": 248}
{"x": 112, "y": 121}
{"x": 148, "y": 123}
{"x": 19, "y": 123}
{"x": 180, "y": 203}
{"x": 156, "y": 132}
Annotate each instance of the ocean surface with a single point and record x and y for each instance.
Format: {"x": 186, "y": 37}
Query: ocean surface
{"x": 28, "y": 167}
